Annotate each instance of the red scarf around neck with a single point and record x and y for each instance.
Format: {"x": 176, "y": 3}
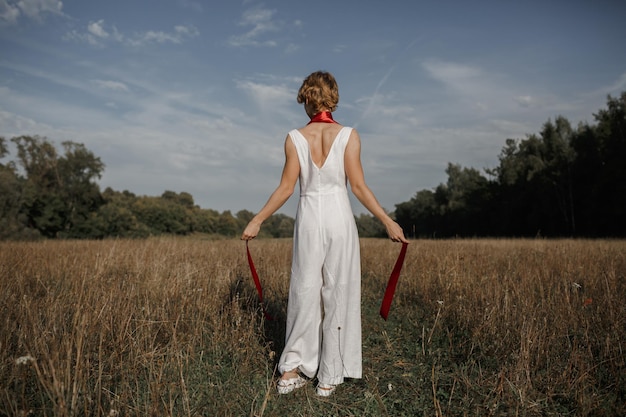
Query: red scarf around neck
{"x": 322, "y": 117}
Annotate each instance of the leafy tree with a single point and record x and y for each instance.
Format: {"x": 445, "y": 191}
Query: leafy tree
{"x": 533, "y": 182}
{"x": 161, "y": 215}
{"x": 464, "y": 194}
{"x": 419, "y": 216}
{"x": 205, "y": 220}
{"x": 244, "y": 217}
{"x": 42, "y": 203}
{"x": 611, "y": 131}
{"x": 227, "y": 225}
{"x": 115, "y": 218}
{"x": 369, "y": 226}
{"x": 559, "y": 182}
{"x": 586, "y": 169}
{"x": 184, "y": 198}
{"x": 452, "y": 209}
{"x": 557, "y": 158}
{"x": 59, "y": 191}
{"x": 279, "y": 225}
{"x": 11, "y": 222}
{"x": 78, "y": 170}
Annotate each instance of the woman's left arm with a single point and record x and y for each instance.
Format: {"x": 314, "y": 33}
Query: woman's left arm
{"x": 288, "y": 180}
{"x": 354, "y": 171}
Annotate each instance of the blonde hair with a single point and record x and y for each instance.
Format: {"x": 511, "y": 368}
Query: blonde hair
{"x": 320, "y": 90}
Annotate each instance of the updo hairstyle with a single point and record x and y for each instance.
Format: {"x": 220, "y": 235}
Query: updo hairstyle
{"x": 320, "y": 90}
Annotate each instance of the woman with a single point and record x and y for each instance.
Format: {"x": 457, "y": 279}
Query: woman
{"x": 323, "y": 335}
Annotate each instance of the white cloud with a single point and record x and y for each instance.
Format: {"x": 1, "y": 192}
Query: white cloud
{"x": 193, "y": 5}
{"x": 262, "y": 22}
{"x": 190, "y": 31}
{"x": 36, "y": 71}
{"x": 154, "y": 36}
{"x": 35, "y": 8}
{"x": 401, "y": 115}
{"x": 618, "y": 86}
{"x": 111, "y": 85}
{"x": 268, "y": 96}
{"x": 9, "y": 13}
{"x": 14, "y": 124}
{"x": 459, "y": 77}
{"x": 11, "y": 10}
{"x": 261, "y": 19}
{"x": 151, "y": 36}
{"x": 97, "y": 34}
{"x": 524, "y": 101}
{"x": 97, "y": 29}
{"x": 475, "y": 93}
{"x": 291, "y": 48}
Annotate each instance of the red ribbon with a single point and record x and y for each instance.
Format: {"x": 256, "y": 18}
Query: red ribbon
{"x": 257, "y": 282}
{"x": 393, "y": 281}
{"x": 389, "y": 292}
{"x": 322, "y": 117}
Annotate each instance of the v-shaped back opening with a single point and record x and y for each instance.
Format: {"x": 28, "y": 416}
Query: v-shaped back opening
{"x": 330, "y": 149}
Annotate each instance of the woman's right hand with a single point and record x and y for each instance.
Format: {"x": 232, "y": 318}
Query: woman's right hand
{"x": 251, "y": 231}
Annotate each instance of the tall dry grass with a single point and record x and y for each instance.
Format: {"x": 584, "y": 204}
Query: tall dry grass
{"x": 535, "y": 325}
{"x": 131, "y": 327}
{"x": 173, "y": 327}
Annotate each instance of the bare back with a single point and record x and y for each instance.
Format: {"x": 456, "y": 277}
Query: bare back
{"x": 320, "y": 137}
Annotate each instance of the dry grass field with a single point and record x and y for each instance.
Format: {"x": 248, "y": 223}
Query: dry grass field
{"x": 172, "y": 327}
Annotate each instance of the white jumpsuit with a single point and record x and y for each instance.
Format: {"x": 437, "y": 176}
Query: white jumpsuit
{"x": 323, "y": 334}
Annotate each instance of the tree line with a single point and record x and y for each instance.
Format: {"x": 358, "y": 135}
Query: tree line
{"x": 563, "y": 181}
{"x": 48, "y": 194}
{"x": 52, "y": 195}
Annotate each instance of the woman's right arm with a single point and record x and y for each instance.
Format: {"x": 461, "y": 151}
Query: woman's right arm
{"x": 288, "y": 180}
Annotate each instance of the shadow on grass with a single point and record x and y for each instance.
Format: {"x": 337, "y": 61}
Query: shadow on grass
{"x": 243, "y": 292}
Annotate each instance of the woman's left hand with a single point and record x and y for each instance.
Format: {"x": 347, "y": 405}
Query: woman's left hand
{"x": 395, "y": 232}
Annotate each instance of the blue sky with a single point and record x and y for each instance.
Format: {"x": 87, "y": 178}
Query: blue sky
{"x": 198, "y": 96}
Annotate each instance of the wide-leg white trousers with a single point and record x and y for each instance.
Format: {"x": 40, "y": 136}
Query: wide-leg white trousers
{"x": 323, "y": 333}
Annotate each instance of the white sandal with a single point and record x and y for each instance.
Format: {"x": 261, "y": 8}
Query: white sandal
{"x": 325, "y": 390}
{"x": 285, "y": 386}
